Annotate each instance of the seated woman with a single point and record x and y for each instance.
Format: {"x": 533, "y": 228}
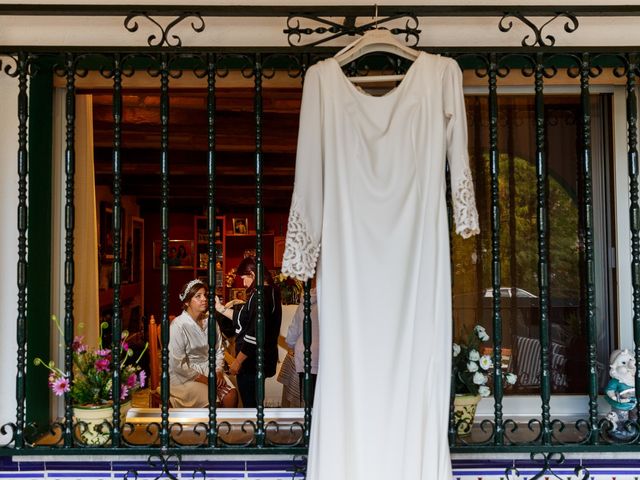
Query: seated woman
{"x": 188, "y": 354}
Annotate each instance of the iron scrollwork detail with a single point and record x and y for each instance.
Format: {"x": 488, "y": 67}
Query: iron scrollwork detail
{"x": 295, "y": 31}
{"x": 131, "y": 474}
{"x": 72, "y": 66}
{"x": 11, "y": 65}
{"x": 7, "y": 435}
{"x": 541, "y": 40}
{"x": 295, "y": 432}
{"x": 270, "y": 65}
{"x": 199, "y": 471}
{"x": 167, "y": 39}
{"x": 549, "y": 460}
{"x": 11, "y": 68}
{"x": 299, "y": 467}
{"x": 165, "y": 463}
{"x": 121, "y": 63}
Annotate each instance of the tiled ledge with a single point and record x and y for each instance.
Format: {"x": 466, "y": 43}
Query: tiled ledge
{"x": 282, "y": 468}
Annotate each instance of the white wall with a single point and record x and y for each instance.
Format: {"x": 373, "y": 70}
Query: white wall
{"x": 8, "y": 246}
{"x": 228, "y": 31}
{"x": 236, "y": 31}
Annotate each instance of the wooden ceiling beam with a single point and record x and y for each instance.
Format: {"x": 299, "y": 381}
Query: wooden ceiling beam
{"x": 224, "y": 143}
{"x": 188, "y": 156}
{"x": 141, "y": 119}
{"x": 227, "y": 100}
{"x": 151, "y": 183}
{"x": 188, "y": 145}
{"x": 143, "y": 170}
{"x": 225, "y": 198}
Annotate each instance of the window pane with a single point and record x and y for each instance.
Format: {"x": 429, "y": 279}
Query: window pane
{"x": 472, "y": 284}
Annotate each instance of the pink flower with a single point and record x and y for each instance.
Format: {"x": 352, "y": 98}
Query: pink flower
{"x": 60, "y": 385}
{"x": 131, "y": 381}
{"x": 124, "y": 392}
{"x": 125, "y": 346}
{"x": 105, "y": 352}
{"x": 102, "y": 364}
{"x": 142, "y": 377}
{"x": 77, "y": 344}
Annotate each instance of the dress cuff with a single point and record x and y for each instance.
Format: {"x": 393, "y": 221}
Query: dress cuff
{"x": 301, "y": 252}
{"x": 465, "y": 213}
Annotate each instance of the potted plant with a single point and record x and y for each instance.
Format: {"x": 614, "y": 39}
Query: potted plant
{"x": 91, "y": 387}
{"x": 473, "y": 371}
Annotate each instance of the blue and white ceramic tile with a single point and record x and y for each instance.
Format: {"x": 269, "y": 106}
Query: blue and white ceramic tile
{"x": 598, "y": 469}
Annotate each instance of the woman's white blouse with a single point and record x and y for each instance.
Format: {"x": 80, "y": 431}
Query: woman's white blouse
{"x": 189, "y": 347}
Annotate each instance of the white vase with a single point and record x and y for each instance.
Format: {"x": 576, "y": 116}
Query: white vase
{"x": 89, "y": 423}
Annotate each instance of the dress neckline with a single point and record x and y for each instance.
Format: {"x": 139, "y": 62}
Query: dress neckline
{"x": 200, "y": 323}
{"x": 391, "y": 92}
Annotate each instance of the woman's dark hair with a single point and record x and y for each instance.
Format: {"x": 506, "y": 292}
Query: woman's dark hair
{"x": 248, "y": 266}
{"x": 189, "y": 290}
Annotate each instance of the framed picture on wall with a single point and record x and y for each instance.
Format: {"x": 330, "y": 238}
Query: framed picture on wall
{"x": 180, "y": 254}
{"x": 238, "y": 294}
{"x": 240, "y": 226}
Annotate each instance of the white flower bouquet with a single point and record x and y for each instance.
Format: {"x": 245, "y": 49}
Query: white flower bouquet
{"x": 473, "y": 369}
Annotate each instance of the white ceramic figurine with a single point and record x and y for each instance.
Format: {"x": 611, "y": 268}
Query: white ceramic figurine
{"x": 621, "y": 394}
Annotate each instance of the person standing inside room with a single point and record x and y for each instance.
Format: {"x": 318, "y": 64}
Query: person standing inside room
{"x": 295, "y": 340}
{"x": 188, "y": 354}
{"x": 244, "y": 318}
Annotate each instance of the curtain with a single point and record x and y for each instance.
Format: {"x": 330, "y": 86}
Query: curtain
{"x": 86, "y": 309}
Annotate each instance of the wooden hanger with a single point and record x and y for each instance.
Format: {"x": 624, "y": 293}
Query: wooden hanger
{"x": 376, "y": 40}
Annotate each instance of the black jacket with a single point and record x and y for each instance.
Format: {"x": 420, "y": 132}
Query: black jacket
{"x": 245, "y": 331}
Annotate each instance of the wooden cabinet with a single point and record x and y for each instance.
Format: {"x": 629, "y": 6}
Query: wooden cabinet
{"x": 240, "y": 246}
{"x": 201, "y": 261}
{"x": 231, "y": 248}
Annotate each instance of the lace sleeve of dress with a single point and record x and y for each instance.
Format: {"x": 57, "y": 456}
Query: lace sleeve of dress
{"x": 300, "y": 250}
{"x": 465, "y": 213}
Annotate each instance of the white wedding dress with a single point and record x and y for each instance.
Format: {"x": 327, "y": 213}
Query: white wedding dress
{"x": 369, "y": 212}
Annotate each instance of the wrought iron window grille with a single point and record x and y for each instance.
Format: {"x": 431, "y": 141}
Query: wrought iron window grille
{"x": 166, "y": 57}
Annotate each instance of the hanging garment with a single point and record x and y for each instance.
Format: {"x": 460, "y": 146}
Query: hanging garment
{"x": 369, "y": 211}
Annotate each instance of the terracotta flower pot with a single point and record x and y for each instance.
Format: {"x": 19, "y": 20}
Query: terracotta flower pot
{"x": 90, "y": 426}
{"x": 464, "y": 412}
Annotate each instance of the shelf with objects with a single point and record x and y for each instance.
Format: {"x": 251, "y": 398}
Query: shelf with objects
{"x": 240, "y": 245}
{"x": 201, "y": 261}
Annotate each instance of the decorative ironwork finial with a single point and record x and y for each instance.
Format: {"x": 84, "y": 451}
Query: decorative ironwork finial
{"x": 295, "y": 31}
{"x": 547, "y": 458}
{"x": 167, "y": 464}
{"x": 570, "y": 26}
{"x": 166, "y": 39}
